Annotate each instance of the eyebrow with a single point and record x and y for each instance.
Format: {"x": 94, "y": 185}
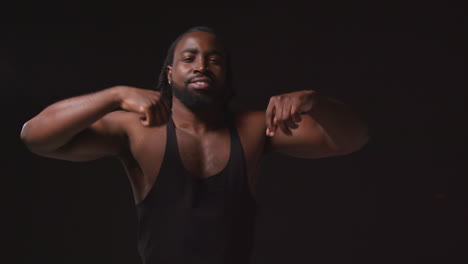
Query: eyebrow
{"x": 209, "y": 52}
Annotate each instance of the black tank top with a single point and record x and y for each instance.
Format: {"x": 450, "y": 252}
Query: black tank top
{"x": 186, "y": 219}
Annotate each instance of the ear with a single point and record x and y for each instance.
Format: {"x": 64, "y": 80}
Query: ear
{"x": 169, "y": 73}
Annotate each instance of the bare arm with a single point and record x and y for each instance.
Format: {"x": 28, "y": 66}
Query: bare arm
{"x": 305, "y": 124}
{"x": 86, "y": 127}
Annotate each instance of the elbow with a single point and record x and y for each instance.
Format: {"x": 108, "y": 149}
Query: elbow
{"x": 353, "y": 143}
{"x": 24, "y": 135}
{"x": 363, "y": 138}
{"x": 358, "y": 143}
{"x": 28, "y": 139}
{"x": 29, "y": 143}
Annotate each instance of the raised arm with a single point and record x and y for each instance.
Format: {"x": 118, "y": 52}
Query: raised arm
{"x": 307, "y": 125}
{"x": 88, "y": 127}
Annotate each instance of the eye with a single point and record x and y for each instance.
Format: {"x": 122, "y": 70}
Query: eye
{"x": 187, "y": 59}
{"x": 215, "y": 60}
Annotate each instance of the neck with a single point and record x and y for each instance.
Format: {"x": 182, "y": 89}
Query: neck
{"x": 198, "y": 120}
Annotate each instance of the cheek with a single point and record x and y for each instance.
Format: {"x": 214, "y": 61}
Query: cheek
{"x": 179, "y": 73}
{"x": 220, "y": 73}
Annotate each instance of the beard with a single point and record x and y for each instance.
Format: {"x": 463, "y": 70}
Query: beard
{"x": 201, "y": 99}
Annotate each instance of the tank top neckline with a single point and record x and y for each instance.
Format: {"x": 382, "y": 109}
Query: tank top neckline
{"x": 182, "y": 166}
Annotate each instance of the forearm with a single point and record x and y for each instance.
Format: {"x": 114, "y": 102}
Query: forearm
{"x": 60, "y": 122}
{"x": 346, "y": 131}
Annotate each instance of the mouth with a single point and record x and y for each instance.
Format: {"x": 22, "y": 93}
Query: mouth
{"x": 200, "y": 83}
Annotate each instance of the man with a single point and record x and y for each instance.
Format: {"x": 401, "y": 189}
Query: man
{"x": 192, "y": 164}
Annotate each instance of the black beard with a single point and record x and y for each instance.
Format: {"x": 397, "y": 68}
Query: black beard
{"x": 195, "y": 99}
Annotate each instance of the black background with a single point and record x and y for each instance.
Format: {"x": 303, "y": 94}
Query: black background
{"x": 401, "y": 199}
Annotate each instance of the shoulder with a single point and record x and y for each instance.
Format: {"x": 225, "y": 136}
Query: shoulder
{"x": 117, "y": 117}
{"x": 139, "y": 139}
{"x": 129, "y": 124}
{"x": 124, "y": 120}
{"x": 251, "y": 127}
{"x": 247, "y": 119}
{"x": 250, "y": 122}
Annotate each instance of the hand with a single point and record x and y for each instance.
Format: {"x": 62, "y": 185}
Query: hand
{"x": 284, "y": 111}
{"x": 150, "y": 105}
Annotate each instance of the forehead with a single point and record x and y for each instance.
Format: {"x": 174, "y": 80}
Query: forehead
{"x": 200, "y": 41}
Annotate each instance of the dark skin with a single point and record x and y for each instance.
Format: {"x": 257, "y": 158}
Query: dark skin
{"x": 130, "y": 124}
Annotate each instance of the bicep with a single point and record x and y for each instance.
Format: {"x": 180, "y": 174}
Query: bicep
{"x": 103, "y": 138}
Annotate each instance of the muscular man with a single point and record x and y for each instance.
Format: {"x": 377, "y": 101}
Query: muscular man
{"x": 192, "y": 163}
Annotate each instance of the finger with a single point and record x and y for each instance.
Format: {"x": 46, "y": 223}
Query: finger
{"x": 278, "y": 119}
{"x": 143, "y": 116}
{"x": 285, "y": 118}
{"x": 144, "y": 120}
{"x": 291, "y": 124}
{"x": 269, "y": 114}
{"x": 290, "y": 121}
{"x": 286, "y": 111}
{"x": 278, "y": 113}
{"x": 295, "y": 115}
{"x": 149, "y": 116}
{"x": 273, "y": 126}
{"x": 284, "y": 126}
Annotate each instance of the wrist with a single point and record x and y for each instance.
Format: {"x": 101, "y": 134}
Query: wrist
{"x": 117, "y": 95}
{"x": 314, "y": 99}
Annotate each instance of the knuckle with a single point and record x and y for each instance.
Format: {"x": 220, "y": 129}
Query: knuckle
{"x": 144, "y": 107}
{"x": 141, "y": 108}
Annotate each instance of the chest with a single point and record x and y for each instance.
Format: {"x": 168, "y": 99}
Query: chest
{"x": 203, "y": 156}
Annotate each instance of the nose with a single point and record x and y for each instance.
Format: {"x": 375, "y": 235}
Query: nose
{"x": 201, "y": 67}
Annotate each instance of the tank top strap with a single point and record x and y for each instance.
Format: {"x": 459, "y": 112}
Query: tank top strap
{"x": 172, "y": 150}
{"x": 237, "y": 152}
{"x": 236, "y": 171}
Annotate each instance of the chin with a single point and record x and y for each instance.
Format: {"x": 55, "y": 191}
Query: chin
{"x": 203, "y": 105}
{"x": 198, "y": 99}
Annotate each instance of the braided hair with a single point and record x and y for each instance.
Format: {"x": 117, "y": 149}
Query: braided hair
{"x": 163, "y": 83}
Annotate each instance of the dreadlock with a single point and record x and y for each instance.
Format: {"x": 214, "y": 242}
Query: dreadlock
{"x": 163, "y": 83}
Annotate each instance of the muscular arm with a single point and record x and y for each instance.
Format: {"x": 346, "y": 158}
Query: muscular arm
{"x": 304, "y": 124}
{"x": 87, "y": 127}
{"x": 74, "y": 122}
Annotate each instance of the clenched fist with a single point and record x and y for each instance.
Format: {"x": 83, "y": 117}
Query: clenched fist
{"x": 284, "y": 110}
{"x": 150, "y": 105}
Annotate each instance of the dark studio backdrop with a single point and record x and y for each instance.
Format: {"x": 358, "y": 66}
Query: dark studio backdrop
{"x": 401, "y": 199}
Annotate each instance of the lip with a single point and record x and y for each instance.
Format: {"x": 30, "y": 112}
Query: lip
{"x": 201, "y": 79}
{"x": 200, "y": 83}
